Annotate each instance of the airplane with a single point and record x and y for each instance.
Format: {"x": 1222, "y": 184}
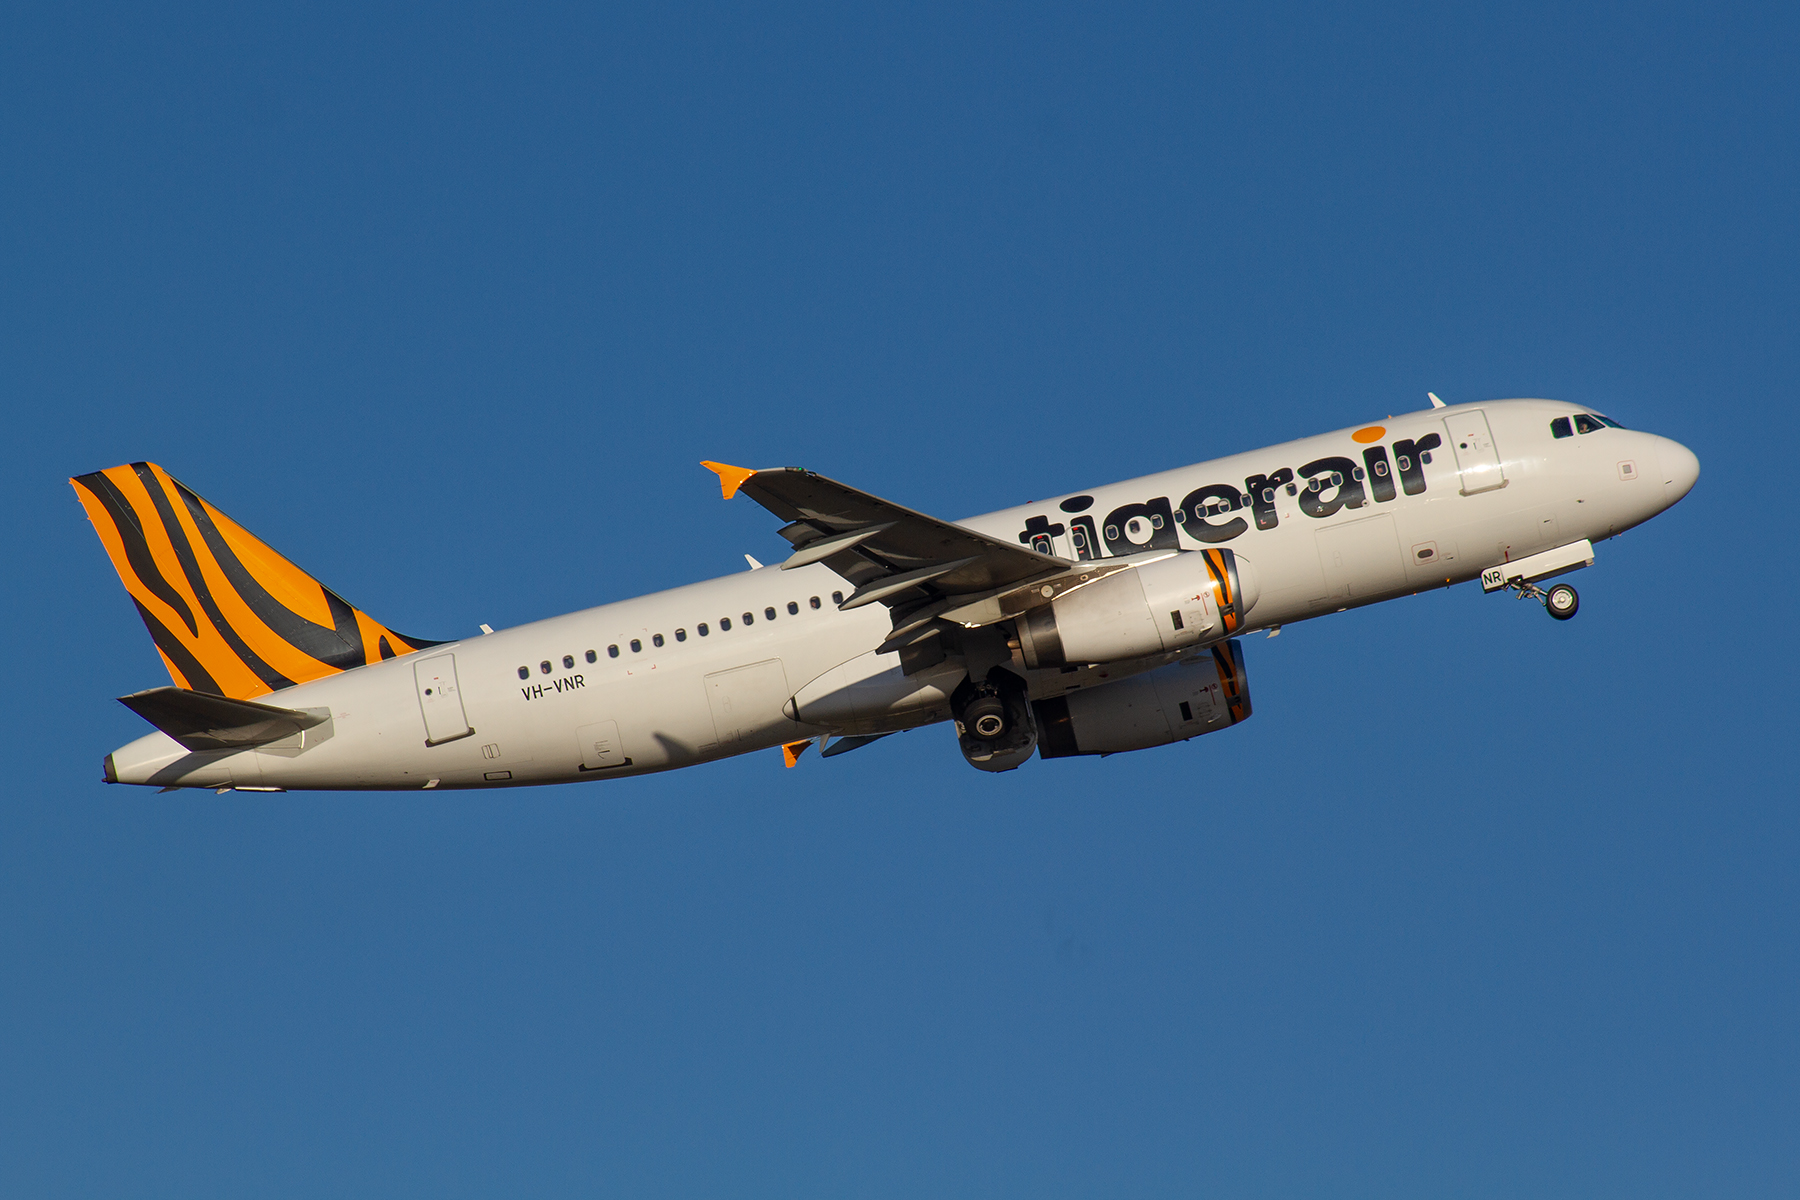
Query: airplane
{"x": 1089, "y": 623}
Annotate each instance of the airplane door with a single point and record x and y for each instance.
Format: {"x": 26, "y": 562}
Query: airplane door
{"x": 440, "y": 700}
{"x": 748, "y": 701}
{"x": 1477, "y": 458}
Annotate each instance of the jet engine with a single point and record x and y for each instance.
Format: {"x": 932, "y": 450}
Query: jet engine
{"x": 1183, "y": 700}
{"x": 1183, "y": 600}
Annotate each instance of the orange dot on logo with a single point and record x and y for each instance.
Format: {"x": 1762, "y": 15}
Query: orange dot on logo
{"x": 1371, "y": 434}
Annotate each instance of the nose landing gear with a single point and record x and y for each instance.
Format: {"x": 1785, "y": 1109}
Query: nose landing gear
{"x": 1561, "y": 601}
{"x": 1520, "y": 575}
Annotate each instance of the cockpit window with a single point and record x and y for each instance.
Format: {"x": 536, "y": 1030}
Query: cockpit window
{"x": 1587, "y": 424}
{"x": 1560, "y": 428}
{"x": 1607, "y": 421}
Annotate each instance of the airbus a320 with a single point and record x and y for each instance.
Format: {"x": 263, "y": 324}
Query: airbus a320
{"x": 1092, "y": 622}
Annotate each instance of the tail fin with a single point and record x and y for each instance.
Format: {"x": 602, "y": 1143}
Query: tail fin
{"x": 229, "y": 615}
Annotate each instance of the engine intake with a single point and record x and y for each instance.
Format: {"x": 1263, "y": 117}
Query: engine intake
{"x": 1186, "y": 599}
{"x": 1183, "y": 700}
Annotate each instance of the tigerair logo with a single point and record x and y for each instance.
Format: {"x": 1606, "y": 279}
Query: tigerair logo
{"x": 1218, "y": 512}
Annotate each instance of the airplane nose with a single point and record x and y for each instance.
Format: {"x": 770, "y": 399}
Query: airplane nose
{"x": 1680, "y": 469}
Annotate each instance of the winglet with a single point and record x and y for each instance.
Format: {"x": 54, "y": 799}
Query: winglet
{"x": 730, "y": 478}
{"x": 1435, "y": 403}
{"x": 791, "y": 751}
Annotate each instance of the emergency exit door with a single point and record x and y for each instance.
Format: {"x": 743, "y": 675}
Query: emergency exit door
{"x": 440, "y": 700}
{"x": 1477, "y": 458}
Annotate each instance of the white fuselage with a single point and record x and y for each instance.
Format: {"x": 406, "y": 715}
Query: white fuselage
{"x": 634, "y": 686}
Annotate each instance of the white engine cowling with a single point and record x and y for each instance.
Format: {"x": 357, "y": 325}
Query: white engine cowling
{"x": 1183, "y": 700}
{"x": 1183, "y": 600}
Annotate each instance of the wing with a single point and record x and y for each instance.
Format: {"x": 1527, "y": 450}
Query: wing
{"x": 889, "y": 553}
{"x": 920, "y": 567}
{"x": 926, "y": 571}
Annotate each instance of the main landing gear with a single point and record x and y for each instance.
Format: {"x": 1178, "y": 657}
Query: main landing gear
{"x": 994, "y": 725}
{"x": 1561, "y": 601}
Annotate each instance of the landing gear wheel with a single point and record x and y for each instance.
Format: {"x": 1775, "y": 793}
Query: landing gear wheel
{"x": 986, "y": 718}
{"x": 1561, "y": 602}
{"x": 995, "y": 729}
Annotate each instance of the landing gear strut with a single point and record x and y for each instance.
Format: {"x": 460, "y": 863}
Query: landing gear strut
{"x": 1561, "y": 601}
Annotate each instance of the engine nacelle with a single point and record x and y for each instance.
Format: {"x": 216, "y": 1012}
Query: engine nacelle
{"x": 1183, "y": 700}
{"x": 1184, "y": 600}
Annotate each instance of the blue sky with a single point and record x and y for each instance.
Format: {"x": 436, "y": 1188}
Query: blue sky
{"x": 447, "y": 302}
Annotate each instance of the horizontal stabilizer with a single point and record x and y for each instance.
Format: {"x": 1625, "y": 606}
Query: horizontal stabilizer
{"x": 205, "y": 722}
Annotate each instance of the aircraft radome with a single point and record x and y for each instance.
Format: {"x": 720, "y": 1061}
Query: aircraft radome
{"x": 1089, "y": 623}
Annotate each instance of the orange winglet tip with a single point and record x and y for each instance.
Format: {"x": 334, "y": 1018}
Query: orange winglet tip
{"x": 730, "y": 478}
{"x": 791, "y": 751}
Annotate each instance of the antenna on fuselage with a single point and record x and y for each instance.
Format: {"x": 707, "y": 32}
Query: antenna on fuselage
{"x": 1435, "y": 402}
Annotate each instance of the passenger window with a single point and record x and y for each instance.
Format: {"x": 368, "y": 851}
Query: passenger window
{"x": 749, "y": 618}
{"x": 592, "y": 657}
{"x": 1560, "y": 428}
{"x": 637, "y": 647}
{"x": 524, "y": 672}
{"x": 612, "y": 652}
{"x": 656, "y": 639}
{"x": 703, "y": 629}
{"x": 681, "y": 635}
{"x": 1587, "y": 424}
{"x": 1290, "y": 489}
{"x": 725, "y": 623}
{"x": 544, "y": 666}
{"x": 792, "y": 608}
{"x": 768, "y": 614}
{"x": 568, "y": 662}
{"x": 814, "y": 602}
{"x": 837, "y": 597}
